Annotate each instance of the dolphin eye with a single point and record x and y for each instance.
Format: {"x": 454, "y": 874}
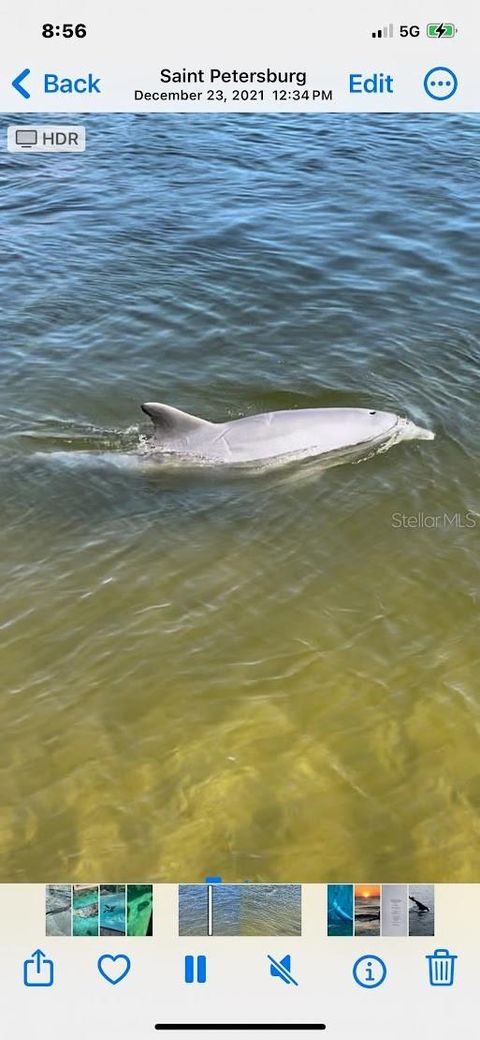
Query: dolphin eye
{"x": 372, "y": 413}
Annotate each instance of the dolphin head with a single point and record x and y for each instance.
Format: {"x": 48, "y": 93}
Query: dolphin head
{"x": 376, "y": 426}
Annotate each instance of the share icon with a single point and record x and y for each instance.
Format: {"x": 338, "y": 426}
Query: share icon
{"x": 281, "y": 969}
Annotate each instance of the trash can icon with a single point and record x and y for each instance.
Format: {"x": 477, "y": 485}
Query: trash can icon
{"x": 441, "y": 967}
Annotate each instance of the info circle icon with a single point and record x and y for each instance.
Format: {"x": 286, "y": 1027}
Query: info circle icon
{"x": 440, "y": 83}
{"x": 369, "y": 971}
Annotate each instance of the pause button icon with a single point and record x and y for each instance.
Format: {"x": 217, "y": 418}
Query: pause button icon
{"x": 195, "y": 969}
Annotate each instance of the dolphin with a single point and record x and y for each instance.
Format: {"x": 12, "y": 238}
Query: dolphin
{"x": 422, "y": 909}
{"x": 341, "y": 913}
{"x": 275, "y": 437}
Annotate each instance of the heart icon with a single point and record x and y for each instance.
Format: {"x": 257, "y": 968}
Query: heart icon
{"x": 114, "y": 968}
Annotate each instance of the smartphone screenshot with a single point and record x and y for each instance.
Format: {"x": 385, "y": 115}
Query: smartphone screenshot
{"x": 240, "y": 570}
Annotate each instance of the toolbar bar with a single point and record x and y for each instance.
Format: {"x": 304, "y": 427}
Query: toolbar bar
{"x": 297, "y": 58}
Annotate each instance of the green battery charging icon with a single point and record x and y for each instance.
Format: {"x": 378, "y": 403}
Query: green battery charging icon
{"x": 441, "y": 30}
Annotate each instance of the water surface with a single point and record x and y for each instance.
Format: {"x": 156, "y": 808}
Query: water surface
{"x": 272, "y": 677}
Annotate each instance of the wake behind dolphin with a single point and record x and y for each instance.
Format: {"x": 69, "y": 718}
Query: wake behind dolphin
{"x": 276, "y": 437}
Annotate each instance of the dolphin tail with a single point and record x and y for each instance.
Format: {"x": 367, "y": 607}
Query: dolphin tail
{"x": 421, "y": 906}
{"x": 172, "y": 421}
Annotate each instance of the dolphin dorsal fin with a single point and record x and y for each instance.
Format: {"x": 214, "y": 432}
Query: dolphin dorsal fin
{"x": 172, "y": 421}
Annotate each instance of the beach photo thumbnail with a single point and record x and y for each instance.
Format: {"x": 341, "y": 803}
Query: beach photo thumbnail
{"x": 367, "y": 909}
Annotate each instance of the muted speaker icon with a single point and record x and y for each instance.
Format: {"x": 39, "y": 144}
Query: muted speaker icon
{"x": 281, "y": 969}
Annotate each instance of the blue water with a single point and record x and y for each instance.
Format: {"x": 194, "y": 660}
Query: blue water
{"x": 340, "y": 919}
{"x": 112, "y": 911}
{"x": 240, "y": 910}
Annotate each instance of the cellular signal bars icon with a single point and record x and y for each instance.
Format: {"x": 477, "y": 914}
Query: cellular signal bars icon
{"x": 381, "y": 34}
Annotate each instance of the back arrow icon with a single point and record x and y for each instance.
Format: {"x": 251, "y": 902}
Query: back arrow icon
{"x": 17, "y": 83}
